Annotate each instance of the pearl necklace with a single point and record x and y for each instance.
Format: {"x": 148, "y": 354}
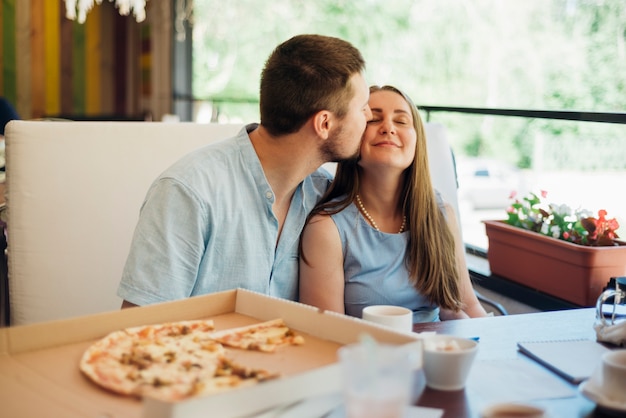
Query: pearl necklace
{"x": 371, "y": 220}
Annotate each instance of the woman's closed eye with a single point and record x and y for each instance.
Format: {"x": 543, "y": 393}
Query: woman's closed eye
{"x": 396, "y": 122}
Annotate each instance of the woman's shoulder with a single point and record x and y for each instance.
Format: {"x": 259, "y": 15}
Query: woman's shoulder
{"x": 330, "y": 219}
{"x": 348, "y": 211}
{"x": 320, "y": 217}
{"x": 321, "y": 230}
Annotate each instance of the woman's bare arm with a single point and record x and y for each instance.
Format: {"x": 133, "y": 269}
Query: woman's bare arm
{"x": 322, "y": 278}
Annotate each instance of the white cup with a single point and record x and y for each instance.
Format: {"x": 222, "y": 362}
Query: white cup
{"x": 447, "y": 361}
{"x": 396, "y": 317}
{"x": 614, "y": 375}
{"x": 377, "y": 380}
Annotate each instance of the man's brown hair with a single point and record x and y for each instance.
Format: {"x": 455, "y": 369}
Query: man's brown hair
{"x": 304, "y": 75}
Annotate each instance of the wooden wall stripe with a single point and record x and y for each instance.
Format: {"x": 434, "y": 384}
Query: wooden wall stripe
{"x": 23, "y": 59}
{"x": 67, "y": 66}
{"x": 52, "y": 42}
{"x": 107, "y": 61}
{"x": 93, "y": 53}
{"x": 160, "y": 18}
{"x": 133, "y": 69}
{"x": 120, "y": 42}
{"x": 146, "y": 60}
{"x": 38, "y": 81}
{"x": 111, "y": 65}
{"x": 9, "y": 66}
{"x": 78, "y": 68}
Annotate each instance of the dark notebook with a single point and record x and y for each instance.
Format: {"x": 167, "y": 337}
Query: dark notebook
{"x": 574, "y": 360}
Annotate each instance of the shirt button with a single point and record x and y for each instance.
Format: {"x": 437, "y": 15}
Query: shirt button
{"x": 269, "y": 194}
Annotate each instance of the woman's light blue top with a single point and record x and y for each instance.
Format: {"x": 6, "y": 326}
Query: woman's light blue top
{"x": 374, "y": 268}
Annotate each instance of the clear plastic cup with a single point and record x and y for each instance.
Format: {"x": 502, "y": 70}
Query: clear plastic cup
{"x": 377, "y": 380}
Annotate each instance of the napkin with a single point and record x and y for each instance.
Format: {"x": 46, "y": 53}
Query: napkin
{"x": 614, "y": 334}
{"x": 526, "y": 381}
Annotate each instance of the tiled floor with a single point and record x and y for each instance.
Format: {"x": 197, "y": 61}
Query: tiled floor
{"x": 512, "y": 306}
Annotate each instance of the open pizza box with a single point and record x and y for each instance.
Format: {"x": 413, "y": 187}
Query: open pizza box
{"x": 40, "y": 376}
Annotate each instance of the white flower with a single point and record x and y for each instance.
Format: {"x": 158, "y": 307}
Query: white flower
{"x": 563, "y": 210}
{"x": 556, "y": 231}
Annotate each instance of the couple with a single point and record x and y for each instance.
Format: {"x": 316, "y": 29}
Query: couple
{"x": 230, "y": 214}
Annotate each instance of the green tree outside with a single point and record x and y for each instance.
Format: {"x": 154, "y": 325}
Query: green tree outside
{"x": 535, "y": 54}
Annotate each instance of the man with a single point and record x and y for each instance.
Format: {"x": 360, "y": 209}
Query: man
{"x": 230, "y": 214}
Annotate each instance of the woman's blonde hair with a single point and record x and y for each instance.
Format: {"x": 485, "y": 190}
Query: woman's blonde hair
{"x": 430, "y": 256}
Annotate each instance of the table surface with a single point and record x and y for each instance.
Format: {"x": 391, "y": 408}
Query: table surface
{"x": 498, "y": 341}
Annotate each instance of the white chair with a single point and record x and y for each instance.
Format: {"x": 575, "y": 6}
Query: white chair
{"x": 444, "y": 178}
{"x": 74, "y": 190}
{"x": 441, "y": 164}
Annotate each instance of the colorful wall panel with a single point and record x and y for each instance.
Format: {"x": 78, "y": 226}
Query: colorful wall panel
{"x": 52, "y": 66}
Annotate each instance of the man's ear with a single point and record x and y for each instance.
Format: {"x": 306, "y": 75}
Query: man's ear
{"x": 322, "y": 123}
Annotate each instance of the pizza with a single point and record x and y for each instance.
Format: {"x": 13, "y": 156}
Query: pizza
{"x": 266, "y": 336}
{"x": 178, "y": 360}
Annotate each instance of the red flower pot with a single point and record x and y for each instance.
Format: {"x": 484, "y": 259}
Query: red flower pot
{"x": 572, "y": 272}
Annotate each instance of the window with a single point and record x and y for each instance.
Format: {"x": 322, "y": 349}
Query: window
{"x": 537, "y": 54}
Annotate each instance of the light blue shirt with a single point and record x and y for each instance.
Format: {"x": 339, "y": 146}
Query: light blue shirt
{"x": 207, "y": 225}
{"x": 374, "y": 268}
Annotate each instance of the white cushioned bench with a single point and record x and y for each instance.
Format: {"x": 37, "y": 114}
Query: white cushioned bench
{"x": 74, "y": 190}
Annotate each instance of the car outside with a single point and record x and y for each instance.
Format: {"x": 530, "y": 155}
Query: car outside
{"x": 487, "y": 183}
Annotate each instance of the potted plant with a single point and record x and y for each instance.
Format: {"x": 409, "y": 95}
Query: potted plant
{"x": 567, "y": 254}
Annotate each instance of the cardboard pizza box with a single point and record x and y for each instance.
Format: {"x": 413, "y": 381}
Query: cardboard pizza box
{"x": 39, "y": 373}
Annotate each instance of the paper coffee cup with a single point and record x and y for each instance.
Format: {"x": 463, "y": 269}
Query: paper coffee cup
{"x": 396, "y": 317}
{"x": 447, "y": 361}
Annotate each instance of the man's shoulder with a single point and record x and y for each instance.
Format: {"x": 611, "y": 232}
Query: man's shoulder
{"x": 320, "y": 179}
{"x": 217, "y": 161}
{"x": 220, "y": 149}
{"x": 325, "y": 173}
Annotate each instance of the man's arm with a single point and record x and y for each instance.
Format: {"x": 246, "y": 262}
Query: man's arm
{"x": 164, "y": 247}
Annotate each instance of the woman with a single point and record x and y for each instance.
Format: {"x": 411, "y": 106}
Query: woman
{"x": 381, "y": 235}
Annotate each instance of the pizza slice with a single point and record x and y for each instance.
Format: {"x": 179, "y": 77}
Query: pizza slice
{"x": 231, "y": 375}
{"x": 264, "y": 336}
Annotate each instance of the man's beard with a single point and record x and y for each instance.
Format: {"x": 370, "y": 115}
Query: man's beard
{"x": 331, "y": 150}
